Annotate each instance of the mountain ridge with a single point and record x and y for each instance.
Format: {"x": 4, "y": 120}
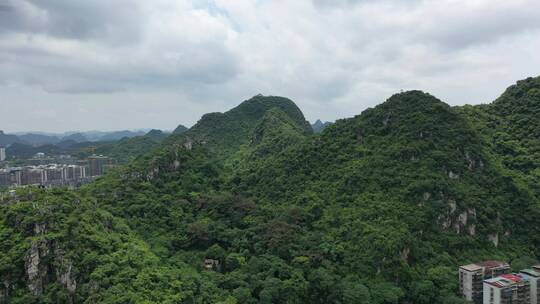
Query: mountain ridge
{"x": 232, "y": 128}
{"x": 379, "y": 208}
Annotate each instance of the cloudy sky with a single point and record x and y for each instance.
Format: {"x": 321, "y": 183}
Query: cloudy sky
{"x": 127, "y": 64}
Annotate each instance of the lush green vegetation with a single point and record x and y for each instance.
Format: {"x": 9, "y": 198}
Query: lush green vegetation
{"x": 379, "y": 208}
{"x": 126, "y": 149}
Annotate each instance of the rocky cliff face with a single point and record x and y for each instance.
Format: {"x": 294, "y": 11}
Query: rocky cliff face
{"x": 46, "y": 262}
{"x": 37, "y": 271}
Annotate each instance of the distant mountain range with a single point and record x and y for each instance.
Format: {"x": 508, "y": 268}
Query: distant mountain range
{"x": 123, "y": 146}
{"x": 8, "y": 139}
{"x": 319, "y": 126}
{"x": 42, "y": 138}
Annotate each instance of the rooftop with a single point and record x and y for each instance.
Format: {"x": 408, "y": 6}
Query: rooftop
{"x": 471, "y": 267}
{"x": 491, "y": 264}
{"x": 531, "y": 272}
{"x": 506, "y": 280}
{"x": 512, "y": 277}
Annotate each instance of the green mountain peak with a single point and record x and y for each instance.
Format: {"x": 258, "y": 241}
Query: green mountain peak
{"x": 228, "y": 130}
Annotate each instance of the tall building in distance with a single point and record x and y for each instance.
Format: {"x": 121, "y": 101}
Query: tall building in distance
{"x": 33, "y": 176}
{"x": 507, "y": 289}
{"x": 2, "y": 154}
{"x": 98, "y": 165}
{"x": 472, "y": 276}
{"x": 74, "y": 172}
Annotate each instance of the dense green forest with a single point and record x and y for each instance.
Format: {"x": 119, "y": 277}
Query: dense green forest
{"x": 378, "y": 208}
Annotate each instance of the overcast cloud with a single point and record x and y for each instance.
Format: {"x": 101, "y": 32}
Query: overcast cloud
{"x": 127, "y": 64}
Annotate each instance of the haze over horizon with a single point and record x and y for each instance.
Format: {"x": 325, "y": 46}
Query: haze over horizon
{"x": 80, "y": 65}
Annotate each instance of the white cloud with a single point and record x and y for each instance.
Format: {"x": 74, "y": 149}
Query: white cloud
{"x": 334, "y": 58}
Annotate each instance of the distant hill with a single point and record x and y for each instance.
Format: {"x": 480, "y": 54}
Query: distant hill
{"x": 117, "y": 135}
{"x": 101, "y": 135}
{"x": 7, "y": 139}
{"x": 180, "y": 129}
{"x": 319, "y": 126}
{"x": 128, "y": 149}
{"x": 156, "y": 134}
{"x": 77, "y": 137}
{"x": 39, "y": 139}
{"x": 27, "y": 151}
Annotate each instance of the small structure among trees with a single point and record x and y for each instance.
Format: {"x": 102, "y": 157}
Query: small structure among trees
{"x": 211, "y": 264}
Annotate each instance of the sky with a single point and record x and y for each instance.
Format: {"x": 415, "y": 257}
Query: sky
{"x": 131, "y": 64}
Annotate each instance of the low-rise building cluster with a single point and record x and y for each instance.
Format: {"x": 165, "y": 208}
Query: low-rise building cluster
{"x": 492, "y": 282}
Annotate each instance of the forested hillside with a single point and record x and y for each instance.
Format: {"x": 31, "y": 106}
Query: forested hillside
{"x": 378, "y": 208}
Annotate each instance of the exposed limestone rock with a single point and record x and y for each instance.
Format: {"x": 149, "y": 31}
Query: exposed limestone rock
{"x": 472, "y": 229}
{"x": 188, "y": 144}
{"x": 39, "y": 229}
{"x": 464, "y": 222}
{"x": 360, "y": 137}
{"x": 404, "y": 254}
{"x": 494, "y": 238}
{"x": 153, "y": 173}
{"x": 445, "y": 221}
{"x": 453, "y": 206}
{"x": 36, "y": 271}
{"x": 471, "y": 163}
{"x": 461, "y": 221}
{"x": 426, "y": 196}
{"x": 4, "y": 293}
{"x": 453, "y": 175}
{"x": 39, "y": 269}
{"x": 63, "y": 270}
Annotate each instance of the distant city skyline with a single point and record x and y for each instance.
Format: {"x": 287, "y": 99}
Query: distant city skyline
{"x": 86, "y": 65}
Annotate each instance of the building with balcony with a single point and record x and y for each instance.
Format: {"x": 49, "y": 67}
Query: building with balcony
{"x": 534, "y": 277}
{"x": 507, "y": 289}
{"x": 472, "y": 276}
